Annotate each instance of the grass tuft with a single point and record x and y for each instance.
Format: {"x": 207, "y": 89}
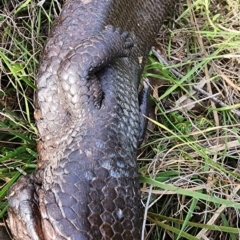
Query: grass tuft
{"x": 24, "y": 26}
{"x": 189, "y": 165}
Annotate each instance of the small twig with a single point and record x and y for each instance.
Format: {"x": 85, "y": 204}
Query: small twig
{"x": 189, "y": 104}
{"x": 177, "y": 74}
{"x": 162, "y": 60}
{"x": 146, "y": 212}
{"x": 21, "y": 171}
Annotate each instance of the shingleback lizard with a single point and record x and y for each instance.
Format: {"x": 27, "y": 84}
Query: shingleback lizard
{"x": 87, "y": 113}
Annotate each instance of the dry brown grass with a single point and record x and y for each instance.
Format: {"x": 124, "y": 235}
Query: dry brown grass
{"x": 192, "y": 152}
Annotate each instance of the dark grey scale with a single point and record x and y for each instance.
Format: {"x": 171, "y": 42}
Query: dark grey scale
{"x": 90, "y": 122}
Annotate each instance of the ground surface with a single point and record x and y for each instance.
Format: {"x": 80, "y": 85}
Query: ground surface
{"x": 189, "y": 164}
